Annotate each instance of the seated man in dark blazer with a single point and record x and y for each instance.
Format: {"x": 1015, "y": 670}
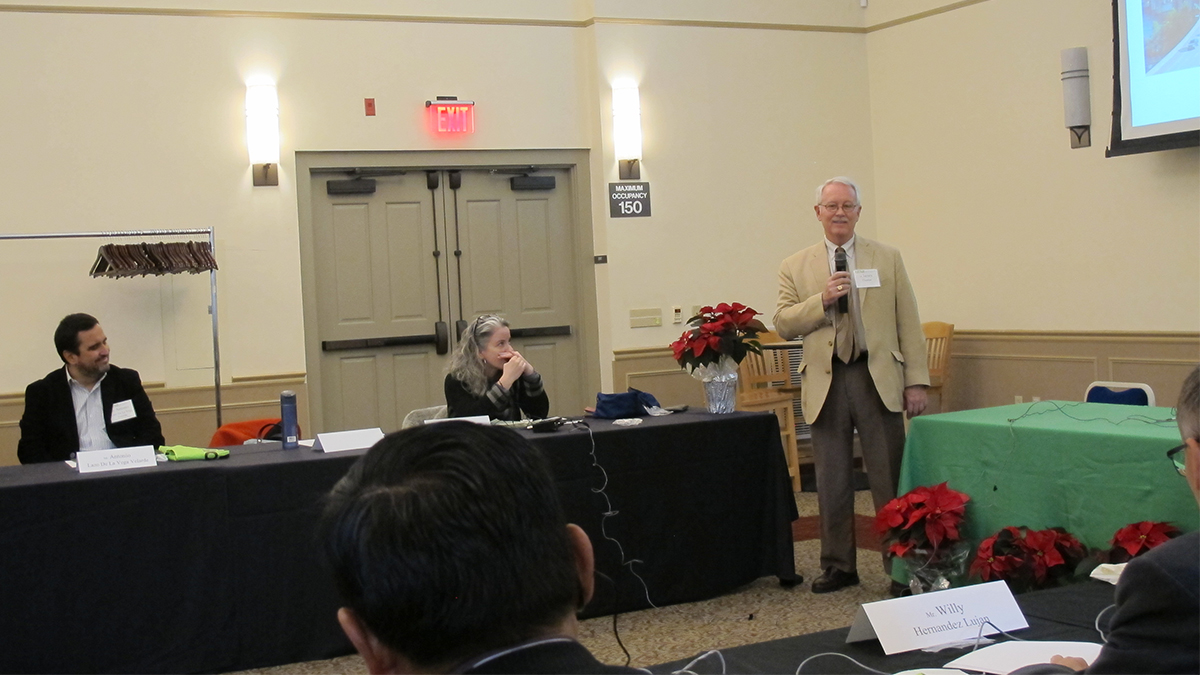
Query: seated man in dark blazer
{"x": 451, "y": 550}
{"x": 89, "y": 404}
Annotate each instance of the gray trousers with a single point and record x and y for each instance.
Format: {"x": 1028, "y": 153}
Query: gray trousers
{"x": 853, "y": 402}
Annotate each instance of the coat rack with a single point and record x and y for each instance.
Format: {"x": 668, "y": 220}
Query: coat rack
{"x": 158, "y": 259}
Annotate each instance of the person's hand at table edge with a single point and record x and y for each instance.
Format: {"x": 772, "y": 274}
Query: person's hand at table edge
{"x": 915, "y": 399}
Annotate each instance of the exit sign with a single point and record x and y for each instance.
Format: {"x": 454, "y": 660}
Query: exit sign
{"x": 450, "y": 117}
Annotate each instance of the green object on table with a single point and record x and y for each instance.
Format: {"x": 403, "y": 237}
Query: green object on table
{"x": 1090, "y": 468}
{"x": 184, "y": 453}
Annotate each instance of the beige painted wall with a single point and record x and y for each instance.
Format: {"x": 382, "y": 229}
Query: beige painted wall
{"x": 1002, "y": 224}
{"x": 132, "y": 122}
{"x": 132, "y": 119}
{"x": 739, "y": 126}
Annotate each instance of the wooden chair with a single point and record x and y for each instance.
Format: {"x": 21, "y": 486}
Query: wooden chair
{"x": 760, "y": 382}
{"x": 939, "y": 338}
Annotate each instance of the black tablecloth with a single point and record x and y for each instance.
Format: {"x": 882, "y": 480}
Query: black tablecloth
{"x": 1067, "y": 613}
{"x": 211, "y": 566}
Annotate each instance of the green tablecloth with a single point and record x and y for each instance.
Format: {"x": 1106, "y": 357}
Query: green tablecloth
{"x": 1088, "y": 467}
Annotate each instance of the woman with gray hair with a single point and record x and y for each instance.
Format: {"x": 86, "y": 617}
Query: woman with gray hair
{"x": 488, "y": 377}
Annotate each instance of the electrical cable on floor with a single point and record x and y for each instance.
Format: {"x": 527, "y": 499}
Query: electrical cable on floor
{"x": 620, "y": 644}
{"x": 860, "y": 665}
{"x": 687, "y": 670}
{"x": 609, "y": 512}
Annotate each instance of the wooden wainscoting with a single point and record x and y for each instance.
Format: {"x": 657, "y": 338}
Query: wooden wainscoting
{"x": 187, "y": 414}
{"x": 654, "y": 370}
{"x": 991, "y": 368}
{"x": 988, "y": 367}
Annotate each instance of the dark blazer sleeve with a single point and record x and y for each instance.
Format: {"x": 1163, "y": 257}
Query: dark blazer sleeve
{"x": 48, "y": 424}
{"x": 143, "y": 428}
{"x": 1156, "y": 626}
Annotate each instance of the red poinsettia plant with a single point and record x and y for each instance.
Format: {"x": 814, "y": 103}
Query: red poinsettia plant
{"x": 724, "y": 330}
{"x": 925, "y": 519}
{"x": 1136, "y": 538}
{"x": 1029, "y": 559}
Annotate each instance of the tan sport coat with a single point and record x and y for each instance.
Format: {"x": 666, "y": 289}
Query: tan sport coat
{"x": 895, "y": 342}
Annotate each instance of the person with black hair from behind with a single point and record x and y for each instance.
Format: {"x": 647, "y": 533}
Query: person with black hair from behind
{"x": 452, "y": 554}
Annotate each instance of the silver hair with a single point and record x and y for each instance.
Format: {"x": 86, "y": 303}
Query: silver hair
{"x": 465, "y": 365}
{"x": 1187, "y": 412}
{"x": 844, "y": 181}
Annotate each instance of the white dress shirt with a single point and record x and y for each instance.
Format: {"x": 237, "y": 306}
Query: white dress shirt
{"x": 89, "y": 415}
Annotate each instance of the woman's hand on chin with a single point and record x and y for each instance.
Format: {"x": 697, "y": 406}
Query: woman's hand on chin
{"x": 526, "y": 367}
{"x": 513, "y": 369}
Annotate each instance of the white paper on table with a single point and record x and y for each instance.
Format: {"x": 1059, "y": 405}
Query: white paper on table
{"x": 1006, "y": 657}
{"x": 1108, "y": 572}
{"x": 308, "y": 442}
{"x": 357, "y": 439}
{"x": 477, "y": 419}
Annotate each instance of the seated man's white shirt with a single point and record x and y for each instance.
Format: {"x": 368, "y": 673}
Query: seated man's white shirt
{"x": 89, "y": 415}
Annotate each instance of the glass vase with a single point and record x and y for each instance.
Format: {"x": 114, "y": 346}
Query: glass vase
{"x": 936, "y": 570}
{"x": 720, "y": 384}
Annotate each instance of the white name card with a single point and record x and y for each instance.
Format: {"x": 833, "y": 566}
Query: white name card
{"x": 116, "y": 459}
{"x": 938, "y": 618}
{"x": 356, "y": 439}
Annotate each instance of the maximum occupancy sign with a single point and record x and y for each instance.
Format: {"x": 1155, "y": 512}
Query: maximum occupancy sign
{"x": 628, "y": 200}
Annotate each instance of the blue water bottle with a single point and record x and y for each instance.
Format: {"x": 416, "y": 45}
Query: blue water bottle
{"x": 287, "y": 411}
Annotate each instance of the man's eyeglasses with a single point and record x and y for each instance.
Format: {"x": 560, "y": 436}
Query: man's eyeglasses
{"x": 1176, "y": 456}
{"x": 833, "y": 208}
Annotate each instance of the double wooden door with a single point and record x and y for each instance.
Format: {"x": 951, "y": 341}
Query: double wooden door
{"x": 401, "y": 267}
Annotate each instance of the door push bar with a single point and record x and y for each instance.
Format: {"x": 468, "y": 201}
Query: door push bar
{"x": 374, "y": 343}
{"x": 441, "y": 339}
{"x": 544, "y": 331}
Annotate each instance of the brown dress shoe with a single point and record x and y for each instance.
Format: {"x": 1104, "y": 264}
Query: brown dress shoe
{"x": 834, "y": 579}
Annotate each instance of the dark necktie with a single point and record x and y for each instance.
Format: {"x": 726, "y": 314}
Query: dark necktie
{"x": 844, "y": 327}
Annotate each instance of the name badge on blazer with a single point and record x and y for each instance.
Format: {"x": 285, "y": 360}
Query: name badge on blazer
{"x": 123, "y": 410}
{"x": 866, "y": 279}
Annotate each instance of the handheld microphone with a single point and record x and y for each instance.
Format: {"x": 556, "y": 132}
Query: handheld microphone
{"x": 839, "y": 264}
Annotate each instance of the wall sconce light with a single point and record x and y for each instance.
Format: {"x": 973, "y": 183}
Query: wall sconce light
{"x": 1077, "y": 99}
{"x": 627, "y": 130}
{"x": 262, "y": 132}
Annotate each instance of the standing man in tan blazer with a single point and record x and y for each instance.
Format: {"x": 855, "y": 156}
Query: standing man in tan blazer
{"x": 862, "y": 369}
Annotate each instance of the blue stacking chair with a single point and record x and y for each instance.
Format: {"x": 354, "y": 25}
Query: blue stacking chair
{"x": 1123, "y": 393}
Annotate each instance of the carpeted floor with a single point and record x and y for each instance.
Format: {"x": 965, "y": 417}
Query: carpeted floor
{"x": 762, "y": 610}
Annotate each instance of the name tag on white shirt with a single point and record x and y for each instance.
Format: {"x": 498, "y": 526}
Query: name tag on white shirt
{"x": 866, "y": 279}
{"x": 123, "y": 410}
{"x": 116, "y": 459}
